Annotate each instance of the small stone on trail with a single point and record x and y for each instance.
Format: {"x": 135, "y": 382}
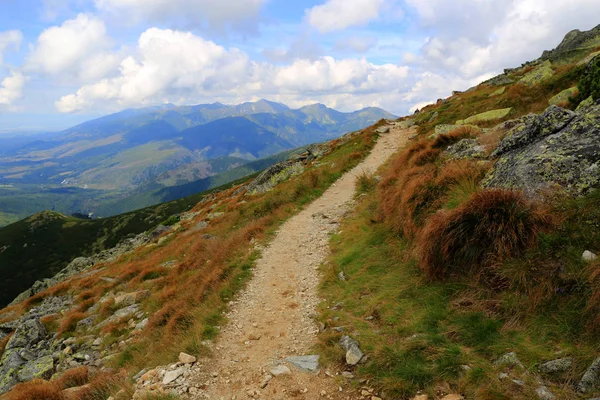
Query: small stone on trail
{"x": 254, "y": 336}
{"x": 280, "y": 370}
{"x": 342, "y": 276}
{"x": 186, "y": 358}
{"x": 266, "y": 381}
{"x": 305, "y": 363}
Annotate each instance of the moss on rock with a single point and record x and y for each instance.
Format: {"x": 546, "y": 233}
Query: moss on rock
{"x": 539, "y": 74}
{"x": 491, "y": 115}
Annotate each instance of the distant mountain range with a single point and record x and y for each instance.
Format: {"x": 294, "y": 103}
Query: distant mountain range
{"x": 93, "y": 164}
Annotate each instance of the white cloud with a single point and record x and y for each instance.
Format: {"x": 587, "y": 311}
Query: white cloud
{"x": 335, "y": 15}
{"x": 80, "y": 48}
{"x": 9, "y": 39}
{"x": 214, "y": 15}
{"x": 11, "y": 88}
{"x": 181, "y": 67}
{"x": 356, "y": 44}
{"x": 476, "y": 37}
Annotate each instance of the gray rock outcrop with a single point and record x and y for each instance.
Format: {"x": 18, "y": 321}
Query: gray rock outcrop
{"x": 559, "y": 148}
{"x": 26, "y": 356}
{"x": 466, "y": 149}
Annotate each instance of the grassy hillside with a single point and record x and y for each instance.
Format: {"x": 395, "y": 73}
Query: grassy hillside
{"x": 189, "y": 276}
{"x": 43, "y": 244}
{"x": 445, "y": 277}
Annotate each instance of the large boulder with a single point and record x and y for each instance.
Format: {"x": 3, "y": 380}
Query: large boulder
{"x": 27, "y": 335}
{"x": 41, "y": 368}
{"x": 273, "y": 175}
{"x": 559, "y": 148}
{"x": 466, "y": 149}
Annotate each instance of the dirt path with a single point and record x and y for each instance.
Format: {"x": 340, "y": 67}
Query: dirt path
{"x": 273, "y": 317}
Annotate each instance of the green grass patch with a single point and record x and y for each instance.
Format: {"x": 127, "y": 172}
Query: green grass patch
{"x": 420, "y": 335}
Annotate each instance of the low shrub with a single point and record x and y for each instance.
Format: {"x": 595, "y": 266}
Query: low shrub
{"x": 492, "y": 226}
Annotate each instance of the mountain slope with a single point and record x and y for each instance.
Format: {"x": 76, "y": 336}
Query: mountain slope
{"x": 116, "y": 154}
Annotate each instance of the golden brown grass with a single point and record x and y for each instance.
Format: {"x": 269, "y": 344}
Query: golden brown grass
{"x": 73, "y": 378}
{"x": 491, "y": 227}
{"x": 35, "y": 390}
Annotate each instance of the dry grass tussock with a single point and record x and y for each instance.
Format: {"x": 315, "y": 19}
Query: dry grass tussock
{"x": 489, "y": 228}
{"x": 418, "y": 182}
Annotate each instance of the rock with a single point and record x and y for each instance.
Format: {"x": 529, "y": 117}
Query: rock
{"x": 383, "y": 129}
{"x": 140, "y": 326}
{"x": 129, "y": 299}
{"x": 556, "y": 366}
{"x": 466, "y": 149}
{"x": 266, "y": 381}
{"x": 171, "y": 376}
{"x": 27, "y": 335}
{"x": 452, "y": 397}
{"x": 200, "y": 225}
{"x": 305, "y": 363}
{"x": 421, "y": 397}
{"x": 348, "y": 374}
{"x": 498, "y": 92}
{"x": 591, "y": 378}
{"x": 123, "y": 313}
{"x": 353, "y": 352}
{"x": 574, "y": 43}
{"x": 492, "y": 115}
{"x": 585, "y": 104}
{"x": 588, "y": 256}
{"x": 342, "y": 276}
{"x": 508, "y": 360}
{"x": 559, "y": 148}
{"x": 42, "y": 368}
{"x": 280, "y": 370}
{"x": 530, "y": 128}
{"x": 544, "y": 394}
{"x": 160, "y": 230}
{"x": 186, "y": 358}
{"x": 539, "y": 74}
{"x": 273, "y": 175}
{"x": 563, "y": 96}
{"x": 254, "y": 336}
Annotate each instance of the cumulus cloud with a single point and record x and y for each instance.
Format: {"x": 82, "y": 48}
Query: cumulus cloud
{"x": 219, "y": 15}
{"x": 180, "y": 66}
{"x": 11, "y": 88}
{"x": 9, "y": 39}
{"x": 476, "y": 37}
{"x": 80, "y": 48}
{"x": 335, "y": 15}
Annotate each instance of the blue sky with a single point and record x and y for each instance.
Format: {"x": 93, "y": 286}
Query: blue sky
{"x": 65, "y": 61}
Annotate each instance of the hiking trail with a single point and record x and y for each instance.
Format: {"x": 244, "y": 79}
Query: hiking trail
{"x": 273, "y": 317}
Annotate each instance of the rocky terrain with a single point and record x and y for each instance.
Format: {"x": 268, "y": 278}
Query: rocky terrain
{"x": 290, "y": 304}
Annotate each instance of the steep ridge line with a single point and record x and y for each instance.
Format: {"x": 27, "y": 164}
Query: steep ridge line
{"x": 273, "y": 318}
